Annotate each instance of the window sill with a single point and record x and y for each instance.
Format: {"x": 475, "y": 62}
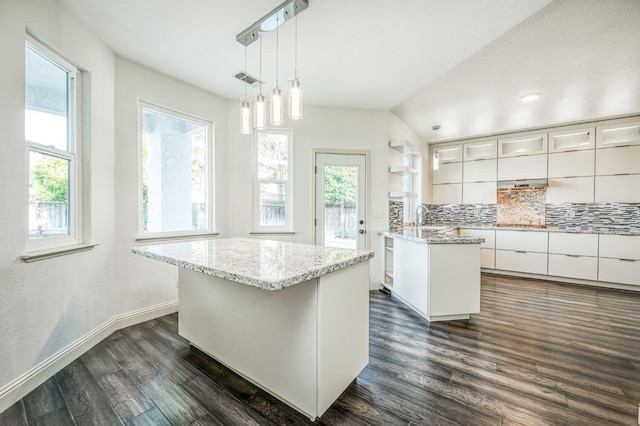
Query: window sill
{"x": 165, "y": 238}
{"x": 34, "y": 256}
{"x": 272, "y": 233}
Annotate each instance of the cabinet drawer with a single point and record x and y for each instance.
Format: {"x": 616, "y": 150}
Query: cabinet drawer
{"x": 570, "y": 140}
{"x": 612, "y": 161}
{"x": 489, "y": 236}
{"x": 617, "y": 189}
{"x": 582, "y": 267}
{"x": 619, "y": 271}
{"x": 449, "y": 154}
{"x": 570, "y": 164}
{"x": 620, "y": 246}
{"x": 522, "y": 145}
{"x": 570, "y": 190}
{"x": 574, "y": 244}
{"x": 448, "y": 173}
{"x": 450, "y": 193}
{"x": 480, "y": 150}
{"x": 480, "y": 171}
{"x": 533, "y": 263}
{"x": 528, "y": 167}
{"x": 487, "y": 258}
{"x": 534, "y": 241}
{"x": 479, "y": 193}
{"x": 618, "y": 135}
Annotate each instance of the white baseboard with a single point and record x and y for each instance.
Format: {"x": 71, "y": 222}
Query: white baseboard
{"x": 18, "y": 388}
{"x": 374, "y": 286}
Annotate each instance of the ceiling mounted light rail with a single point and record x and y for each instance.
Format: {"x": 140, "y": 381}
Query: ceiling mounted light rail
{"x": 271, "y": 21}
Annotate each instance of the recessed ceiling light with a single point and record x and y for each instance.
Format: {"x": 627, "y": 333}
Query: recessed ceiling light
{"x": 530, "y": 97}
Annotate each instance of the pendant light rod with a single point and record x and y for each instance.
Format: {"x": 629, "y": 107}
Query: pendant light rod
{"x": 269, "y": 22}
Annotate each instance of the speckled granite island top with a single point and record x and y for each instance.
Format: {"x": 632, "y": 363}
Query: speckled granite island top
{"x": 266, "y": 264}
{"x": 426, "y": 236}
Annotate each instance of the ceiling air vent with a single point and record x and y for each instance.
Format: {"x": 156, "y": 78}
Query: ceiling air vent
{"x": 249, "y": 79}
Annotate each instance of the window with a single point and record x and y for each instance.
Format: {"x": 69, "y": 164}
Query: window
{"x": 51, "y": 129}
{"x": 272, "y": 183}
{"x": 176, "y": 188}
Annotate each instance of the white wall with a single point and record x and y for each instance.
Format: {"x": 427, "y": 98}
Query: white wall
{"x": 46, "y": 305}
{"x": 320, "y": 128}
{"x": 151, "y": 282}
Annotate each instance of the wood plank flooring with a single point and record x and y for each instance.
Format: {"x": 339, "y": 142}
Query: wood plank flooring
{"x": 539, "y": 353}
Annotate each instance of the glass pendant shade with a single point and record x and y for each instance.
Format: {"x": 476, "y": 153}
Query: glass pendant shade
{"x": 436, "y": 161}
{"x": 276, "y": 108}
{"x": 260, "y": 113}
{"x": 245, "y": 117}
{"x": 295, "y": 100}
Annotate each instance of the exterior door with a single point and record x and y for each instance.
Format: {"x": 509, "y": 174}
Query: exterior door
{"x": 340, "y": 189}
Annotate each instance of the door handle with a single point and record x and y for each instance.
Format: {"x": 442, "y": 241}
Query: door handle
{"x": 361, "y": 222}
{"x": 362, "y": 231}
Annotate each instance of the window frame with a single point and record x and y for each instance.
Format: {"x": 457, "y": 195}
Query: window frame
{"x": 73, "y": 154}
{"x": 287, "y": 228}
{"x": 210, "y": 176}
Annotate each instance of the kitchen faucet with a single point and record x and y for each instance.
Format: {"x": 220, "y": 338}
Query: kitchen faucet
{"x": 417, "y": 215}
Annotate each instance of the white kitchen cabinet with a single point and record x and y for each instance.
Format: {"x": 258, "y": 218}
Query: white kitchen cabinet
{"x": 522, "y": 145}
{"x": 448, "y": 173}
{"x": 527, "y": 167}
{"x": 573, "y": 266}
{"x": 521, "y": 261}
{"x": 479, "y": 193}
{"x": 448, "y": 193}
{"x": 530, "y": 241}
{"x": 489, "y": 236}
{"x": 571, "y": 190}
{"x": 480, "y": 150}
{"x": 615, "y": 161}
{"x": 572, "y": 139}
{"x": 624, "y": 271}
{"x": 620, "y": 246}
{"x": 573, "y": 243}
{"x": 617, "y": 189}
{"x": 618, "y": 134}
{"x": 488, "y": 258}
{"x": 480, "y": 171}
{"x": 448, "y": 153}
{"x": 571, "y": 164}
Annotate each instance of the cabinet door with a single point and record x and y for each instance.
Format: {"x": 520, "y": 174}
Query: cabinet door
{"x": 522, "y": 145}
{"x": 488, "y": 258}
{"x": 571, "y": 266}
{"x": 480, "y": 171}
{"x": 573, "y": 243}
{"x": 619, "y": 271}
{"x": 479, "y": 193}
{"x": 449, "y": 193}
{"x": 621, "y": 134}
{"x": 535, "y": 241}
{"x": 571, "y": 140}
{"x": 617, "y": 189}
{"x": 480, "y": 150}
{"x": 571, "y": 164}
{"x": 528, "y": 167}
{"x": 570, "y": 190}
{"x": 489, "y": 236}
{"x": 448, "y": 173}
{"x": 521, "y": 261}
{"x": 448, "y": 154}
{"x": 620, "y": 246}
{"x": 614, "y": 161}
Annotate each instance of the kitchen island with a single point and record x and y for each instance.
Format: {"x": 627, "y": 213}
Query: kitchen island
{"x": 291, "y": 318}
{"x": 436, "y": 272}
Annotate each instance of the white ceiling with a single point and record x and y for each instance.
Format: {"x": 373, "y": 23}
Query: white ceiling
{"x": 462, "y": 64}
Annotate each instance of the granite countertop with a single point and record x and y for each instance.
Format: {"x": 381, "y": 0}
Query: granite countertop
{"x": 573, "y": 230}
{"x": 266, "y": 264}
{"x": 429, "y": 236}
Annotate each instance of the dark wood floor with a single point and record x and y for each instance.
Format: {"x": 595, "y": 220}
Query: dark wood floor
{"x": 539, "y": 353}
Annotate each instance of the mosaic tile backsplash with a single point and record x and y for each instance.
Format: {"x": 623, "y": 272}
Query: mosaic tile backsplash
{"x": 518, "y": 207}
{"x": 396, "y": 214}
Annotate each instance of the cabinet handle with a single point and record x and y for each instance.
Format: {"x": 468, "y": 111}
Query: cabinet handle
{"x": 572, "y": 255}
{"x": 628, "y": 260}
{"x": 520, "y": 251}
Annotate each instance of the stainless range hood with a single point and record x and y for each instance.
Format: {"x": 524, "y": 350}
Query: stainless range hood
{"x": 523, "y": 184}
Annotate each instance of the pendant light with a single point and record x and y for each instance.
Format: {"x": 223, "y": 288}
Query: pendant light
{"x": 295, "y": 90}
{"x": 260, "y": 108}
{"x": 275, "y": 107}
{"x": 245, "y": 106}
{"x": 436, "y": 155}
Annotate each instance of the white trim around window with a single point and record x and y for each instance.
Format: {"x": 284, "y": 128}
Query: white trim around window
{"x": 274, "y": 187}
